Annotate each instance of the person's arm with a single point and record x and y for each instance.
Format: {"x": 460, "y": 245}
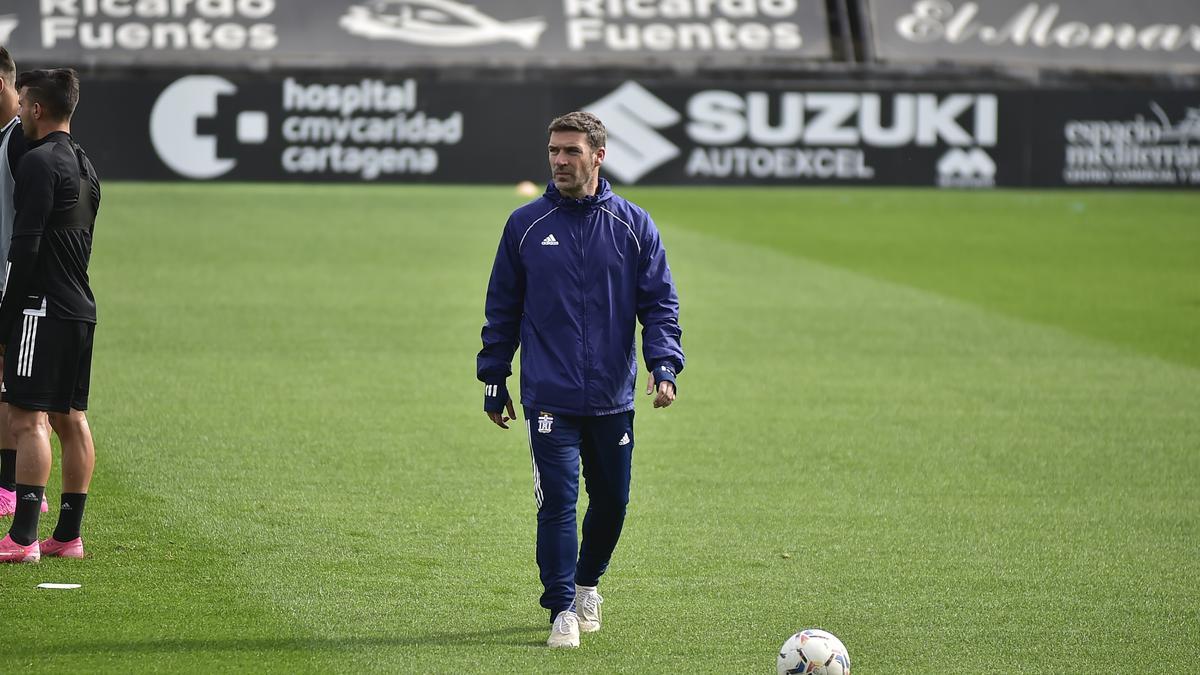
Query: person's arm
{"x": 34, "y": 198}
{"x": 502, "y": 331}
{"x": 658, "y": 311}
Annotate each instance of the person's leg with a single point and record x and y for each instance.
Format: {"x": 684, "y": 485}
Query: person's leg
{"x": 43, "y": 374}
{"x": 8, "y": 468}
{"x": 554, "y": 448}
{"x": 78, "y": 460}
{"x": 32, "y": 436}
{"x": 78, "y": 450}
{"x": 607, "y": 459}
{"x": 26, "y": 398}
{"x": 31, "y": 432}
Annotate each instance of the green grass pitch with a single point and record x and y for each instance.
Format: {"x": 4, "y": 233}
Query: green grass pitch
{"x": 959, "y": 430}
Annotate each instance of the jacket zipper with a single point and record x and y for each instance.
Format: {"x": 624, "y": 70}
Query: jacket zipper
{"x": 587, "y": 357}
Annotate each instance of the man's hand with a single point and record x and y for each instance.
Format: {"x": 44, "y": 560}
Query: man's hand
{"x": 495, "y": 401}
{"x": 500, "y": 419}
{"x": 666, "y": 392}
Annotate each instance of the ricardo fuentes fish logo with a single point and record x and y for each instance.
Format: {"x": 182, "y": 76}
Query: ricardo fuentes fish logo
{"x": 437, "y": 23}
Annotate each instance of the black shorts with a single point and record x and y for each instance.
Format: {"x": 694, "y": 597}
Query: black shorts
{"x": 48, "y": 364}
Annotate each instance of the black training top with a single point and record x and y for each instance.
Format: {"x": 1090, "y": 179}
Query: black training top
{"x": 52, "y": 234}
{"x": 16, "y": 147}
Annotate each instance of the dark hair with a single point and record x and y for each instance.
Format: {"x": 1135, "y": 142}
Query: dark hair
{"x": 57, "y": 90}
{"x": 585, "y": 122}
{"x": 8, "y": 68}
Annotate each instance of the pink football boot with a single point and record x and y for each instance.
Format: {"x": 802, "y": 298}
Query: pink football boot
{"x": 12, "y": 552}
{"x": 54, "y": 548}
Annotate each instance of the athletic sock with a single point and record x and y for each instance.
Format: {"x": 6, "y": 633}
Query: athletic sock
{"x": 25, "y": 520}
{"x": 70, "y": 516}
{"x": 8, "y": 469}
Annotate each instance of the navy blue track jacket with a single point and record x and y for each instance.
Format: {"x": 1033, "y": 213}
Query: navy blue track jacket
{"x": 570, "y": 278}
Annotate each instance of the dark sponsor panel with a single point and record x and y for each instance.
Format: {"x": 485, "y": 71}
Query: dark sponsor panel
{"x": 317, "y": 126}
{"x": 311, "y": 127}
{"x": 1130, "y": 139}
{"x": 409, "y": 127}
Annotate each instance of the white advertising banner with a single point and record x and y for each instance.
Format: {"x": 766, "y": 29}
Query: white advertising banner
{"x": 396, "y": 33}
{"x": 1089, "y": 34}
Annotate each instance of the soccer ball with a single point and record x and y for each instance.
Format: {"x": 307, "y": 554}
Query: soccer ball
{"x": 815, "y": 652}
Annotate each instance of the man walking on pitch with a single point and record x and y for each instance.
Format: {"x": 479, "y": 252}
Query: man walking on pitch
{"x": 48, "y": 315}
{"x": 12, "y": 146}
{"x": 574, "y": 271}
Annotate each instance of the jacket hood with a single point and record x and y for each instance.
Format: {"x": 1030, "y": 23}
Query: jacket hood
{"x": 603, "y": 193}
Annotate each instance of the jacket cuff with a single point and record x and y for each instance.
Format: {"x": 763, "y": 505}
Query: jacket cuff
{"x": 665, "y": 372}
{"x": 495, "y": 396}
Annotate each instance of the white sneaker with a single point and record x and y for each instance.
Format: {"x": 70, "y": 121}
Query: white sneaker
{"x": 565, "y": 631}
{"x": 587, "y": 606}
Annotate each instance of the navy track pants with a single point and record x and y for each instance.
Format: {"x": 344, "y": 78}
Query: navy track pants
{"x": 558, "y": 445}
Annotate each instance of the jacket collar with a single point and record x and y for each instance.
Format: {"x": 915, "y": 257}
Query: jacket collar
{"x": 603, "y": 194}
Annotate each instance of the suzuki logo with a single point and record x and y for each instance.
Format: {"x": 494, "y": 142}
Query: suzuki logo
{"x": 631, "y": 114}
{"x": 966, "y": 168}
{"x": 173, "y": 126}
{"x": 788, "y": 118}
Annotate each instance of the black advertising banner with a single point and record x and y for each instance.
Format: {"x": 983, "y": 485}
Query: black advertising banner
{"x": 1162, "y": 35}
{"x": 1105, "y": 139}
{"x": 397, "y": 127}
{"x": 398, "y": 33}
{"x": 309, "y": 127}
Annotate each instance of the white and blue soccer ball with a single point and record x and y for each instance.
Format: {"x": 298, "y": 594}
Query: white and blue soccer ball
{"x": 813, "y": 652}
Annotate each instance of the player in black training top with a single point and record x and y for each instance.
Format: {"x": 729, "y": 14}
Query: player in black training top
{"x": 48, "y": 314}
